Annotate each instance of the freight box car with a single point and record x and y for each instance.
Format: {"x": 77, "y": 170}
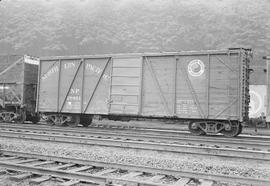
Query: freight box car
{"x": 18, "y": 82}
{"x": 257, "y": 105}
{"x": 258, "y": 96}
{"x": 267, "y": 58}
{"x": 207, "y": 88}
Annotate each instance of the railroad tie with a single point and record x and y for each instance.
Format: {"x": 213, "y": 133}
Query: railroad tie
{"x": 83, "y": 168}
{"x": 104, "y": 172}
{"x": 69, "y": 183}
{"x": 62, "y": 166}
{"x": 42, "y": 163}
{"x": 26, "y": 161}
{"x": 155, "y": 178}
{"x": 131, "y": 175}
{"x": 116, "y": 182}
{"x": 39, "y": 179}
{"x": 20, "y": 176}
{"x": 3, "y": 171}
{"x": 206, "y": 182}
{"x": 8, "y": 158}
{"x": 181, "y": 182}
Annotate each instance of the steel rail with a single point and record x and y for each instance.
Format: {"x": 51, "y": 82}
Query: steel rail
{"x": 132, "y": 130}
{"x": 217, "y": 142}
{"x": 265, "y": 133}
{"x": 94, "y": 179}
{"x": 148, "y": 146}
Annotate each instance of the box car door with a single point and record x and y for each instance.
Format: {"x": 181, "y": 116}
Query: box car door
{"x": 125, "y": 85}
{"x": 158, "y": 89}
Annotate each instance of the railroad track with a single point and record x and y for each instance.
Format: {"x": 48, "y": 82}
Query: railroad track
{"x": 70, "y": 171}
{"x": 181, "y": 127}
{"x": 126, "y": 129}
{"x": 242, "y": 142}
{"x": 203, "y": 146}
{"x": 180, "y": 131}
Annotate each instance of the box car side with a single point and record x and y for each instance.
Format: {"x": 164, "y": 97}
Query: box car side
{"x": 209, "y": 85}
{"x": 194, "y": 86}
{"x": 77, "y": 85}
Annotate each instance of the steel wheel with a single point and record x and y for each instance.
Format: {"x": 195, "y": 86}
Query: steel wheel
{"x": 35, "y": 119}
{"x": 74, "y": 121}
{"x": 85, "y": 121}
{"x": 234, "y": 131}
{"x": 240, "y": 129}
{"x": 1, "y": 118}
{"x": 195, "y": 130}
{"x": 22, "y": 117}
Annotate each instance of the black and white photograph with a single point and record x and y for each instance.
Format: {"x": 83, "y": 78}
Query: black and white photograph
{"x": 134, "y": 93}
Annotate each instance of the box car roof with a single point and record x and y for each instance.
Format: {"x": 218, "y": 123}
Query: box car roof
{"x": 202, "y": 52}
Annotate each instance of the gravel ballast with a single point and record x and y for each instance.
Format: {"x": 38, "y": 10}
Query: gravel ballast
{"x": 182, "y": 162}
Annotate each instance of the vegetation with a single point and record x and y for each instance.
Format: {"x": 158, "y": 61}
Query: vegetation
{"x": 65, "y": 27}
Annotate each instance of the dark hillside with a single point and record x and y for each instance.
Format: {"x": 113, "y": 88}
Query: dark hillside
{"x": 64, "y": 27}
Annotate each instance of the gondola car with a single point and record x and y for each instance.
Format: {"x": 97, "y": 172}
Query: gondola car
{"x": 18, "y": 82}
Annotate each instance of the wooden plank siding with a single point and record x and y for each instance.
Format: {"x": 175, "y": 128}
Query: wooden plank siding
{"x": 125, "y": 89}
{"x": 64, "y": 78}
{"x": 202, "y": 85}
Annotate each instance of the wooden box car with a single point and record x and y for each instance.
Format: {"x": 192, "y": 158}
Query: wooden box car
{"x": 208, "y": 88}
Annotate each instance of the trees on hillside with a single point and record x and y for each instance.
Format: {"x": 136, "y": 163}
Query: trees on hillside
{"x": 101, "y": 26}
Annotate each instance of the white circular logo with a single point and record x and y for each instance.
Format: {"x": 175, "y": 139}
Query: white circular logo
{"x": 196, "y": 67}
{"x": 255, "y": 103}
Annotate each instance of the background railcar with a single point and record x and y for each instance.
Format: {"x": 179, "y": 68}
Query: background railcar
{"x": 208, "y": 88}
{"x": 258, "y": 95}
{"x": 18, "y": 82}
{"x": 258, "y": 100}
{"x": 267, "y": 58}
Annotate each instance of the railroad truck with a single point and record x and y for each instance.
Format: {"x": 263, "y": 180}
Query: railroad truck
{"x": 209, "y": 89}
{"x": 18, "y": 83}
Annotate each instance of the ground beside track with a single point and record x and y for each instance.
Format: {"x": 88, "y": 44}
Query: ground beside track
{"x": 5, "y": 181}
{"x": 144, "y": 158}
